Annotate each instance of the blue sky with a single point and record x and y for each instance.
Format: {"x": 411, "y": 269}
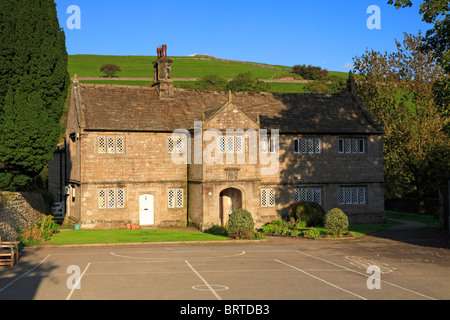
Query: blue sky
{"x": 326, "y": 33}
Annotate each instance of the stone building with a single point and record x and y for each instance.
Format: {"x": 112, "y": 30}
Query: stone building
{"x": 164, "y": 156}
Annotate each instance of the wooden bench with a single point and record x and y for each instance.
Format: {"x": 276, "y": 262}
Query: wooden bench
{"x": 9, "y": 253}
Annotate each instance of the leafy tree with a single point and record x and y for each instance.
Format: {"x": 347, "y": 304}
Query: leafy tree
{"x": 437, "y": 39}
{"x": 211, "y": 82}
{"x": 33, "y": 88}
{"x": 398, "y": 90}
{"x": 247, "y": 82}
{"x": 110, "y": 69}
{"x": 310, "y": 72}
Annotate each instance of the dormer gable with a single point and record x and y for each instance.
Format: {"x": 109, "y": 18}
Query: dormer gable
{"x": 230, "y": 116}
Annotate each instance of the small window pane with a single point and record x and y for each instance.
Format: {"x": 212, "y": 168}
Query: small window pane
{"x": 272, "y": 145}
{"x": 341, "y": 145}
{"x": 271, "y": 197}
{"x": 264, "y": 145}
{"x": 120, "y": 198}
{"x": 296, "y": 195}
{"x": 303, "y": 146}
{"x": 101, "y": 145}
{"x": 230, "y": 144}
{"x": 102, "y": 198}
{"x": 170, "y": 145}
{"x": 341, "y": 195}
{"x": 239, "y": 144}
{"x": 310, "y": 145}
{"x": 348, "y": 195}
{"x": 355, "y": 195}
{"x": 361, "y": 145}
{"x": 120, "y": 145}
{"x": 222, "y": 144}
{"x": 318, "y": 195}
{"x": 296, "y": 146}
{"x": 263, "y": 198}
{"x": 111, "y": 145}
{"x": 317, "y": 145}
{"x": 111, "y": 198}
{"x": 348, "y": 145}
{"x": 171, "y": 198}
{"x": 354, "y": 145}
{"x": 362, "y": 195}
{"x": 179, "y": 198}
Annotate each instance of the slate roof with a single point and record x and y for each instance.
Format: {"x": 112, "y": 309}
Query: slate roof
{"x": 132, "y": 108}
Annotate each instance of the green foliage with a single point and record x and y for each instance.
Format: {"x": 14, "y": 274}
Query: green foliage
{"x": 217, "y": 230}
{"x": 282, "y": 227}
{"x": 241, "y": 224}
{"x": 309, "y": 212}
{"x": 41, "y": 231}
{"x": 311, "y": 233}
{"x": 310, "y": 72}
{"x": 246, "y": 82}
{"x": 211, "y": 82}
{"x": 336, "y": 221}
{"x": 331, "y": 84}
{"x": 33, "y": 88}
{"x": 110, "y": 69}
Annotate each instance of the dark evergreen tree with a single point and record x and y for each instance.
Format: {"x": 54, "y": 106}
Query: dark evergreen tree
{"x": 33, "y": 88}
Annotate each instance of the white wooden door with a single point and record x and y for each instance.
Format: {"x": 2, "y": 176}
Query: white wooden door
{"x": 146, "y": 214}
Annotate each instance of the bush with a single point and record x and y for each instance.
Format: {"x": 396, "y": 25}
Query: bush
{"x": 309, "y": 212}
{"x": 336, "y": 221}
{"x": 246, "y": 82}
{"x": 310, "y": 72}
{"x": 241, "y": 224}
{"x": 217, "y": 230}
{"x": 42, "y": 231}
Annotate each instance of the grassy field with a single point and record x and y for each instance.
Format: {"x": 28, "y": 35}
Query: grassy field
{"x": 182, "y": 67}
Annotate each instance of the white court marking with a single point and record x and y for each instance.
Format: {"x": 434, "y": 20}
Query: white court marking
{"x": 181, "y": 258}
{"x": 365, "y": 275}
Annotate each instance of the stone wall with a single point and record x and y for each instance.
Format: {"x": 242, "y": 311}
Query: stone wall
{"x": 19, "y": 210}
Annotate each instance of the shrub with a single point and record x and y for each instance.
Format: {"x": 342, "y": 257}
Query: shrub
{"x": 311, "y": 233}
{"x": 217, "y": 230}
{"x": 241, "y": 224}
{"x": 309, "y": 212}
{"x": 211, "y": 82}
{"x": 41, "y": 231}
{"x": 336, "y": 221}
{"x": 246, "y": 82}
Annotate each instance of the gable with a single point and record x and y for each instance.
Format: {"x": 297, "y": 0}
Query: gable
{"x": 230, "y": 117}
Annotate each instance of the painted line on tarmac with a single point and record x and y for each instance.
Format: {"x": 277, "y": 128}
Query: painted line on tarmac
{"x": 204, "y": 281}
{"x": 76, "y": 285}
{"x": 23, "y": 275}
{"x": 313, "y": 276}
{"x": 365, "y": 275}
{"x": 165, "y": 259}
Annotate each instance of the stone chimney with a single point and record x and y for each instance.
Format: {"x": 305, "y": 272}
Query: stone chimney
{"x": 163, "y": 77}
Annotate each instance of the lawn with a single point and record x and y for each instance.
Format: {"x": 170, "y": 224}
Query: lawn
{"x": 128, "y": 236}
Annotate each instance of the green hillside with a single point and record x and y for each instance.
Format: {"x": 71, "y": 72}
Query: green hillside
{"x": 189, "y": 68}
{"x": 182, "y": 67}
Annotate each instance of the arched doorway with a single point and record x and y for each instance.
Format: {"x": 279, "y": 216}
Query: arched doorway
{"x": 230, "y": 200}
